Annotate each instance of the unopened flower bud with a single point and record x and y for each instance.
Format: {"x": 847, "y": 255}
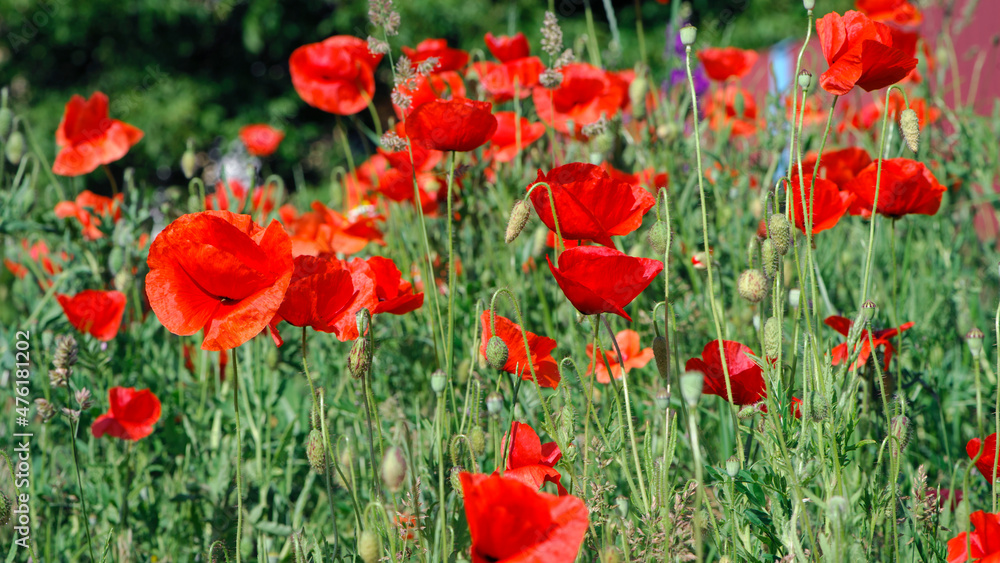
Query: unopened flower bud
{"x": 369, "y": 547}
{"x": 814, "y": 406}
{"x": 752, "y": 285}
{"x": 360, "y": 358}
{"x": 974, "y": 338}
{"x": 901, "y": 430}
{"x": 688, "y": 35}
{"x": 805, "y": 79}
{"x": 692, "y": 382}
{"x": 394, "y": 469}
{"x": 189, "y": 161}
{"x": 768, "y": 258}
{"x": 363, "y": 318}
{"x": 5, "y": 506}
{"x": 661, "y": 353}
{"x": 518, "y": 219}
{"x": 610, "y": 555}
{"x": 779, "y": 232}
{"x": 909, "y": 123}
{"x": 456, "y": 481}
{"x": 438, "y": 381}
{"x": 494, "y": 403}
{"x": 732, "y": 467}
{"x": 496, "y": 352}
{"x": 15, "y": 147}
{"x": 772, "y": 338}
{"x": 658, "y": 237}
{"x": 477, "y": 440}
{"x": 315, "y": 452}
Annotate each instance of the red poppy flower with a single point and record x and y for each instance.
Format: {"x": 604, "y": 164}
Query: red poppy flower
{"x": 503, "y": 146}
{"x": 529, "y": 460}
{"x": 336, "y": 75}
{"x": 318, "y": 295}
{"x": 220, "y": 272}
{"x": 448, "y": 58}
{"x": 597, "y": 279}
{"x": 511, "y": 522}
{"x": 985, "y": 462}
{"x": 395, "y": 296}
{"x": 860, "y": 52}
{"x": 723, "y": 111}
{"x": 131, "y": 414}
{"x": 866, "y": 118}
{"x": 88, "y": 208}
{"x": 839, "y": 166}
{"x": 745, "y": 377}
{"x": 590, "y": 205}
{"x": 88, "y": 138}
{"x": 262, "y": 198}
{"x": 324, "y": 231}
{"x": 722, "y": 63}
{"x": 984, "y": 540}
{"x": 830, "y": 204}
{"x": 514, "y": 78}
{"x": 508, "y": 47}
{"x": 896, "y": 11}
{"x": 261, "y": 139}
{"x": 648, "y": 177}
{"x": 540, "y": 348}
{"x": 908, "y": 188}
{"x": 440, "y": 86}
{"x": 879, "y": 337}
{"x": 586, "y": 94}
{"x": 453, "y": 125}
{"x": 39, "y": 254}
{"x": 98, "y": 313}
{"x": 634, "y": 355}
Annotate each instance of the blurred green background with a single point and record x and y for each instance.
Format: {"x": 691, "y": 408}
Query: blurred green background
{"x": 201, "y": 69}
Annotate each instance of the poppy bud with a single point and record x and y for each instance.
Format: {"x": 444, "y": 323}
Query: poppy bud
{"x": 747, "y": 412}
{"x": 732, "y": 466}
{"x": 5, "y": 505}
{"x": 753, "y": 247}
{"x": 360, "y": 358}
{"x": 477, "y": 440}
{"x": 662, "y": 398}
{"x": 369, "y": 547}
{"x": 692, "y": 382}
{"x": 769, "y": 258}
{"x": 658, "y": 237}
{"x": 688, "y": 34}
{"x": 637, "y": 95}
{"x": 393, "y": 469}
{"x": 661, "y": 352}
{"x": 805, "y": 79}
{"x": 518, "y": 219}
{"x": 814, "y": 406}
{"x": 910, "y": 124}
{"x": 456, "y": 481}
{"x": 494, "y": 402}
{"x": 15, "y": 147}
{"x": 188, "y": 160}
{"x": 868, "y": 309}
{"x": 363, "y": 318}
{"x": 901, "y": 430}
{"x": 610, "y": 555}
{"x": 772, "y": 338}
{"x": 779, "y": 232}
{"x": 809, "y": 4}
{"x": 496, "y": 352}
{"x": 974, "y": 338}
{"x": 315, "y": 452}
{"x": 438, "y": 381}
{"x": 752, "y": 285}
{"x": 836, "y": 508}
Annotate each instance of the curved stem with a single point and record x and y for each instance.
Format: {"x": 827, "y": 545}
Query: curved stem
{"x": 560, "y": 243}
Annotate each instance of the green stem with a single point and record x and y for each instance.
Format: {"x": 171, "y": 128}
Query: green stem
{"x": 996, "y": 421}
{"x": 450, "y": 344}
{"x": 696, "y": 450}
{"x": 79, "y": 479}
{"x": 239, "y": 458}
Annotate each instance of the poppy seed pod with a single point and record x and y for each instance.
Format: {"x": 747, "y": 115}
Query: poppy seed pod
{"x": 752, "y": 285}
{"x": 868, "y": 309}
{"x": 769, "y": 258}
{"x": 688, "y": 35}
{"x": 772, "y": 338}
{"x": 909, "y": 123}
{"x": 732, "y": 467}
{"x": 15, "y": 147}
{"x": 662, "y": 398}
{"x": 394, "y": 469}
{"x": 974, "y": 338}
{"x": 315, "y": 451}
{"x": 438, "y": 381}
{"x": 805, "y": 79}
{"x": 496, "y": 352}
{"x": 369, "y": 547}
{"x": 360, "y": 358}
{"x": 779, "y": 232}
{"x": 658, "y": 237}
{"x": 494, "y": 402}
{"x": 661, "y": 353}
{"x": 189, "y": 161}
{"x": 518, "y": 219}
{"x": 477, "y": 440}
{"x": 692, "y": 383}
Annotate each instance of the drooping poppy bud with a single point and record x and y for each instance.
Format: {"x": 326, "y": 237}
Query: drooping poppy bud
{"x": 661, "y": 353}
{"x": 369, "y": 547}
{"x": 496, "y": 352}
{"x": 189, "y": 161}
{"x": 477, "y": 440}
{"x": 772, "y": 338}
{"x": 315, "y": 452}
{"x": 779, "y": 232}
{"x": 769, "y": 258}
{"x": 658, "y": 237}
{"x": 752, "y": 285}
{"x": 394, "y": 469}
{"x": 909, "y": 123}
{"x": 518, "y": 219}
{"x": 494, "y": 402}
{"x": 15, "y": 148}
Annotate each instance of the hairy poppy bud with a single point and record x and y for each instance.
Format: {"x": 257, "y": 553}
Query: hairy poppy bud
{"x": 496, "y": 352}
{"x": 732, "y": 466}
{"x": 688, "y": 35}
{"x": 518, "y": 219}
{"x": 5, "y": 505}
{"x": 772, "y": 338}
{"x": 753, "y": 247}
{"x": 909, "y": 123}
{"x": 188, "y": 160}
{"x": 360, "y": 358}
{"x": 974, "y": 338}
{"x": 494, "y": 402}
{"x": 769, "y": 258}
{"x": 394, "y": 469}
{"x": 438, "y": 381}
{"x": 779, "y": 232}
{"x": 692, "y": 382}
{"x": 363, "y": 318}
{"x": 814, "y": 406}
{"x": 315, "y": 452}
{"x": 15, "y": 147}
{"x": 661, "y": 352}
{"x": 477, "y": 440}
{"x": 901, "y": 430}
{"x": 752, "y": 285}
{"x": 456, "y": 481}
{"x": 658, "y": 237}
{"x": 805, "y": 79}
{"x": 662, "y": 398}
{"x": 369, "y": 547}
